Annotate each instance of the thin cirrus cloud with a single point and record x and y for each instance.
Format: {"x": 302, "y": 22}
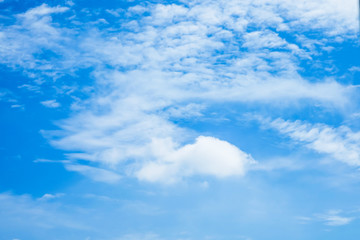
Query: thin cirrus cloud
{"x": 25, "y": 212}
{"x": 97, "y": 174}
{"x": 168, "y": 58}
{"x": 337, "y": 220}
{"x": 340, "y": 143}
{"x": 331, "y": 218}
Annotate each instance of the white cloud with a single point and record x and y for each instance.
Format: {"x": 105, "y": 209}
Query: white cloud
{"x": 207, "y": 156}
{"x": 48, "y": 196}
{"x": 34, "y": 43}
{"x": 25, "y": 213}
{"x": 42, "y": 10}
{"x": 97, "y": 174}
{"x": 173, "y": 55}
{"x": 69, "y": 3}
{"x": 50, "y": 161}
{"x": 340, "y": 143}
{"x": 29, "y": 87}
{"x": 187, "y": 111}
{"x": 17, "y": 106}
{"x": 331, "y": 218}
{"x": 50, "y": 103}
{"x": 148, "y": 236}
{"x": 354, "y": 69}
{"x": 336, "y": 220}
{"x": 176, "y": 60}
{"x": 7, "y": 96}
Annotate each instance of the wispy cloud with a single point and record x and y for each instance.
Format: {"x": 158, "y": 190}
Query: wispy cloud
{"x": 27, "y": 213}
{"x": 42, "y": 10}
{"x": 333, "y": 218}
{"x": 341, "y": 143}
{"x": 48, "y": 196}
{"x": 148, "y": 236}
{"x": 50, "y": 103}
{"x": 97, "y": 174}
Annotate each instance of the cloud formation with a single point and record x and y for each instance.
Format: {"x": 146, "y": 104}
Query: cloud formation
{"x": 207, "y": 156}
{"x": 332, "y": 218}
{"x": 167, "y": 61}
{"x": 50, "y": 103}
{"x": 97, "y": 174}
{"x": 340, "y": 143}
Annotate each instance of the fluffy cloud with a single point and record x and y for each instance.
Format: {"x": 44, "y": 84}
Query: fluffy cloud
{"x": 207, "y": 156}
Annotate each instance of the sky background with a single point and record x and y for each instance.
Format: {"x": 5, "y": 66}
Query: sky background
{"x": 179, "y": 120}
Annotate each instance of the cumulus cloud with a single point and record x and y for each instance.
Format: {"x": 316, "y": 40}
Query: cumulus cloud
{"x": 207, "y": 156}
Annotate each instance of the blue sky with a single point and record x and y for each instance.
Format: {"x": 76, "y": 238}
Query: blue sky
{"x": 179, "y": 120}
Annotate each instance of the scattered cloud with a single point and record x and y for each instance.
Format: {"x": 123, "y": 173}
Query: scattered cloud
{"x": 334, "y": 220}
{"x": 158, "y": 72}
{"x": 30, "y": 87}
{"x": 174, "y": 62}
{"x": 354, "y": 69}
{"x": 331, "y": 218}
{"x": 70, "y": 3}
{"x": 8, "y": 96}
{"x": 48, "y": 196}
{"x": 42, "y": 10}
{"x": 24, "y": 212}
{"x": 51, "y": 103}
{"x": 17, "y": 106}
